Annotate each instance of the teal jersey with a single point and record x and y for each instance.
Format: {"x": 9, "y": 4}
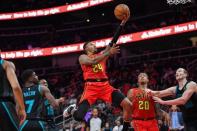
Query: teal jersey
{"x": 33, "y": 101}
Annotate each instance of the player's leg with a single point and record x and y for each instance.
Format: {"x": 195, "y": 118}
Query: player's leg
{"x": 119, "y": 99}
{"x": 88, "y": 98}
{"x": 191, "y": 126}
{"x": 8, "y": 117}
{"x": 81, "y": 111}
{"x": 138, "y": 125}
{"x": 33, "y": 125}
{"x": 24, "y": 126}
{"x": 153, "y": 125}
{"x": 41, "y": 126}
{"x": 109, "y": 94}
{"x": 50, "y": 124}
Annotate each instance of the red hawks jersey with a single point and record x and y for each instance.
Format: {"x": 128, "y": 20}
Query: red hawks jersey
{"x": 143, "y": 104}
{"x": 97, "y": 71}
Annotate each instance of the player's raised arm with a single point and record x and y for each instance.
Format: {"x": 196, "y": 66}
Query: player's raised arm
{"x": 124, "y": 15}
{"x": 116, "y": 35}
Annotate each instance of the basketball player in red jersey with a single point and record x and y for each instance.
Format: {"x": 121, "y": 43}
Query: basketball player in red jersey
{"x": 97, "y": 85}
{"x": 96, "y": 81}
{"x": 143, "y": 109}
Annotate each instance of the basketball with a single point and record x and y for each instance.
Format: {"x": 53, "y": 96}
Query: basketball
{"x": 122, "y": 11}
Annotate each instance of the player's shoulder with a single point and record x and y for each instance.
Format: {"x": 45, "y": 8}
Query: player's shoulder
{"x": 42, "y": 86}
{"x": 130, "y": 91}
{"x": 82, "y": 56}
{"x": 6, "y": 63}
{"x": 192, "y": 84}
{"x": 135, "y": 88}
{"x": 42, "y": 89}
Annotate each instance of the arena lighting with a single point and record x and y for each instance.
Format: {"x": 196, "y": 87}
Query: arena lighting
{"x": 68, "y": 48}
{"x": 51, "y": 11}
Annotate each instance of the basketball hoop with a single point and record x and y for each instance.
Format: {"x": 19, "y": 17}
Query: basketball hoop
{"x": 176, "y": 2}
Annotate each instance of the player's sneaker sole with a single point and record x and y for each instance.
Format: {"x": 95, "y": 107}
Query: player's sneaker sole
{"x": 68, "y": 111}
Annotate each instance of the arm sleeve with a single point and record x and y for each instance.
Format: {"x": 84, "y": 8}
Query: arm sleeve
{"x": 116, "y": 35}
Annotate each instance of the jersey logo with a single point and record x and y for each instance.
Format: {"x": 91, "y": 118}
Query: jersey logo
{"x": 144, "y": 105}
{"x": 97, "y": 68}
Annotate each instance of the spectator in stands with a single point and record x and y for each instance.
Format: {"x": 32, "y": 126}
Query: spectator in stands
{"x": 162, "y": 126}
{"x": 78, "y": 127}
{"x": 176, "y": 119}
{"x": 95, "y": 122}
{"x": 152, "y": 82}
{"x": 168, "y": 73}
{"x": 107, "y": 127}
{"x": 118, "y": 127}
{"x": 164, "y": 121}
{"x": 125, "y": 88}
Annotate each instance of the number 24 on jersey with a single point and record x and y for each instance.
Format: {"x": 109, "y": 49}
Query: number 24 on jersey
{"x": 97, "y": 68}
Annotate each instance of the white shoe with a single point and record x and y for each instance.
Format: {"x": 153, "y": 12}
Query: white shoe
{"x": 69, "y": 110}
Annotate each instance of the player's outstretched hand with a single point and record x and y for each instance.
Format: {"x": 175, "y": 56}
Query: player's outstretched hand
{"x": 158, "y": 100}
{"x": 22, "y": 116}
{"x": 149, "y": 91}
{"x": 21, "y": 113}
{"x": 60, "y": 100}
{"x": 153, "y": 93}
{"x": 114, "y": 50}
{"x": 125, "y": 19}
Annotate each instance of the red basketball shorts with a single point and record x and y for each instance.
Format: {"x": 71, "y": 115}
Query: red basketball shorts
{"x": 148, "y": 125}
{"x": 97, "y": 90}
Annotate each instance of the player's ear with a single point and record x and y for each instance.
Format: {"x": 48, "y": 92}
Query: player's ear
{"x": 186, "y": 73}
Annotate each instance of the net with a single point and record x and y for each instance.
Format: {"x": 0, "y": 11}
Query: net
{"x": 176, "y": 2}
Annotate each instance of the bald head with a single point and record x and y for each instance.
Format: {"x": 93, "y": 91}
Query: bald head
{"x": 181, "y": 73}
